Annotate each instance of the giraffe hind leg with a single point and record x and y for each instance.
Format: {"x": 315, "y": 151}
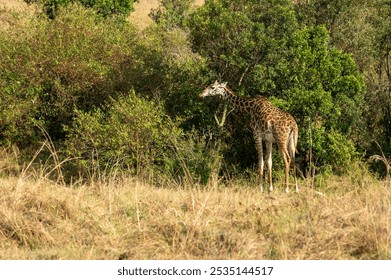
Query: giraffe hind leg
{"x": 258, "y": 144}
{"x": 269, "y": 146}
{"x": 292, "y": 151}
{"x": 287, "y": 163}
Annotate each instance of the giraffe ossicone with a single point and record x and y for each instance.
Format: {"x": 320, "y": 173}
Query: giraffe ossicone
{"x": 269, "y": 124}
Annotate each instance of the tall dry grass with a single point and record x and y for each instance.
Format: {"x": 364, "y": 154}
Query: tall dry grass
{"x": 124, "y": 218}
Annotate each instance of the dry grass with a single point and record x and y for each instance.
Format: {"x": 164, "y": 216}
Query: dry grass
{"x": 123, "y": 218}
{"x": 142, "y": 9}
{"x": 13, "y": 4}
{"x": 15, "y": 13}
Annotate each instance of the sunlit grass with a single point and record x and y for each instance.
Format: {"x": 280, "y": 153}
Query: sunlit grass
{"x": 125, "y": 218}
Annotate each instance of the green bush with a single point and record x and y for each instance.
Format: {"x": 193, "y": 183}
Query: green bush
{"x": 172, "y": 13}
{"x": 131, "y": 132}
{"x": 196, "y": 158}
{"x": 70, "y": 72}
{"x": 135, "y": 134}
{"x": 19, "y": 90}
{"x": 49, "y": 68}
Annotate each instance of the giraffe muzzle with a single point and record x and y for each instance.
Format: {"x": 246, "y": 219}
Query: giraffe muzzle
{"x": 203, "y": 94}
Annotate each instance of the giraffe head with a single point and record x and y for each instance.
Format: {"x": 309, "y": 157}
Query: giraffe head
{"x": 215, "y": 89}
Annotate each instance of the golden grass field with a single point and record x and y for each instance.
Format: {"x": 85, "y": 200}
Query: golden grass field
{"x": 124, "y": 218}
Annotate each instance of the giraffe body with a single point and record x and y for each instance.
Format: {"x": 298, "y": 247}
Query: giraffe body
{"x": 269, "y": 124}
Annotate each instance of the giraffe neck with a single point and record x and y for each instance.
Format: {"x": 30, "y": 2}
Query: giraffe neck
{"x": 241, "y": 103}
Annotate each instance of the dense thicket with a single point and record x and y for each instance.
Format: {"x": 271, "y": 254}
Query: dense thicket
{"x": 110, "y": 95}
{"x": 263, "y": 49}
{"x": 362, "y": 28}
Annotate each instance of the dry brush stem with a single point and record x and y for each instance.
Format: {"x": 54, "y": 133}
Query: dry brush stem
{"x": 384, "y": 160}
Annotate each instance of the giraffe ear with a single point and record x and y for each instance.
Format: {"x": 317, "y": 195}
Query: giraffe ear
{"x": 224, "y": 84}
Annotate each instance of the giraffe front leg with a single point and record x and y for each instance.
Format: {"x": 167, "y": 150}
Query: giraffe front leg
{"x": 261, "y": 166}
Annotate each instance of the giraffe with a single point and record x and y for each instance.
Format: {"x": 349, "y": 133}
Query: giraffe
{"x": 269, "y": 125}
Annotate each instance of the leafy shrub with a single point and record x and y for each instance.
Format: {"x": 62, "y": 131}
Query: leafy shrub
{"x": 70, "y": 72}
{"x": 172, "y": 13}
{"x": 196, "y": 158}
{"x": 131, "y": 132}
{"x": 135, "y": 134}
{"x": 49, "y": 68}
{"x": 19, "y": 94}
